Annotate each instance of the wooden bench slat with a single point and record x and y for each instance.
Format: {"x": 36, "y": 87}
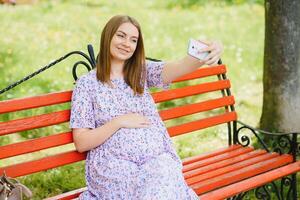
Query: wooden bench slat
{"x": 210, "y": 154}
{"x": 190, "y": 90}
{"x": 229, "y": 168}
{"x": 63, "y": 116}
{"x": 202, "y": 123}
{"x": 225, "y": 192}
{"x": 224, "y": 163}
{"x": 196, "y": 107}
{"x": 35, "y": 145}
{"x": 62, "y": 97}
{"x": 217, "y": 158}
{"x": 238, "y": 175}
{"x": 251, "y": 183}
{"x": 68, "y": 195}
{"x": 43, "y": 164}
{"x": 34, "y": 102}
{"x": 203, "y": 72}
{"x": 38, "y": 121}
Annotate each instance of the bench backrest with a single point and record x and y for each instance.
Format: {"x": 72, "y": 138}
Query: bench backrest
{"x": 53, "y": 110}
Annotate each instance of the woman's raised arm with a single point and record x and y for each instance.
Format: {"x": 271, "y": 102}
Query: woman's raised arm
{"x": 175, "y": 69}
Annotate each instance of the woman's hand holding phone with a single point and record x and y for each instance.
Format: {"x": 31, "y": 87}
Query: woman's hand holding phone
{"x": 207, "y": 52}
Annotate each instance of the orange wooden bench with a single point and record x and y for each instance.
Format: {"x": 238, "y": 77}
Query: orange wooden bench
{"x": 228, "y": 172}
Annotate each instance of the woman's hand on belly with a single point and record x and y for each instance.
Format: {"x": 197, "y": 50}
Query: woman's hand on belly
{"x": 132, "y": 120}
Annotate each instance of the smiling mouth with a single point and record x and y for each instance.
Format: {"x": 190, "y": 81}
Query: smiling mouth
{"x": 123, "y": 50}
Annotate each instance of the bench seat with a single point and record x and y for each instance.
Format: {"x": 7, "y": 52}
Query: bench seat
{"x": 205, "y": 101}
{"x": 226, "y": 172}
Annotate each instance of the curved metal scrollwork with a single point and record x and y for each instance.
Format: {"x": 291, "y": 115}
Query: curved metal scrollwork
{"x": 92, "y": 55}
{"x": 241, "y": 140}
{"x": 281, "y": 190}
{"x": 239, "y": 196}
{"x": 75, "y": 68}
{"x": 263, "y": 193}
{"x": 89, "y": 65}
{"x": 244, "y": 140}
{"x": 90, "y": 58}
{"x": 269, "y": 191}
{"x": 284, "y": 144}
{"x": 286, "y": 182}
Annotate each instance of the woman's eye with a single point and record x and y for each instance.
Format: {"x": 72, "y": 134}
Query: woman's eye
{"x": 134, "y": 41}
{"x": 120, "y": 36}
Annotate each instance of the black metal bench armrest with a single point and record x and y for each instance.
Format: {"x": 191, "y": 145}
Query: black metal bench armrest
{"x": 264, "y": 131}
{"x": 283, "y": 142}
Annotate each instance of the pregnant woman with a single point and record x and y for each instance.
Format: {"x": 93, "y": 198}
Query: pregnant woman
{"x": 114, "y": 118}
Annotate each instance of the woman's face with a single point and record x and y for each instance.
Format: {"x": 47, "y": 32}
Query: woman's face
{"x": 124, "y": 42}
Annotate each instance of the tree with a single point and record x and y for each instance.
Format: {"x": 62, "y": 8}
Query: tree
{"x": 281, "y": 75}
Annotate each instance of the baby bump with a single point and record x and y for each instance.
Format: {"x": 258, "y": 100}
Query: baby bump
{"x": 136, "y": 144}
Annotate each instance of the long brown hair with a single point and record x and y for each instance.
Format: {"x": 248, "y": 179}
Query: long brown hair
{"x": 134, "y": 67}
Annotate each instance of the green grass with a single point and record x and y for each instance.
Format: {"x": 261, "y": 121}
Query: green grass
{"x": 34, "y": 35}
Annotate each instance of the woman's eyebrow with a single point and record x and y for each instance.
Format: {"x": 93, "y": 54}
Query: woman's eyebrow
{"x": 126, "y": 34}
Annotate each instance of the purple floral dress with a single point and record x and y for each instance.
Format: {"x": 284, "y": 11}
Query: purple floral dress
{"x": 134, "y": 163}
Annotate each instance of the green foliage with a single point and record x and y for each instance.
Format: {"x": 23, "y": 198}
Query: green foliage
{"x": 33, "y": 35}
{"x": 56, "y": 181}
{"x": 196, "y": 3}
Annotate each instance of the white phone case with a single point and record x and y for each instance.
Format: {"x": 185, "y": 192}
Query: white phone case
{"x": 194, "y": 47}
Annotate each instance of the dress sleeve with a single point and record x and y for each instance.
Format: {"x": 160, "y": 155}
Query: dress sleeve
{"x": 82, "y": 110}
{"x": 154, "y": 75}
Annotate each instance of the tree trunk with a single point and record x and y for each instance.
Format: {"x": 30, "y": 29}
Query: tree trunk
{"x": 281, "y": 76}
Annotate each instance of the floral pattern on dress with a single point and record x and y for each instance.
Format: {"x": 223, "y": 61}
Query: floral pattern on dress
{"x": 134, "y": 163}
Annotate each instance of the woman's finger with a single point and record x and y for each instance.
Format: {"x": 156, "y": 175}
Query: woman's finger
{"x": 213, "y": 60}
{"x": 214, "y": 51}
{"x": 145, "y": 121}
{"x": 143, "y": 125}
{"x": 206, "y": 49}
{"x": 212, "y": 63}
{"x": 211, "y": 55}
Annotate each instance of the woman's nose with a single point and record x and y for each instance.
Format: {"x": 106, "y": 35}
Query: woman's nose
{"x": 126, "y": 43}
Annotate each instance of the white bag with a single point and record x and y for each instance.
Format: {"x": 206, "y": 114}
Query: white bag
{"x": 11, "y": 189}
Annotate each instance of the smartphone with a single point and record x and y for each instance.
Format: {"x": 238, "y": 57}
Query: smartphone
{"x": 194, "y": 47}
